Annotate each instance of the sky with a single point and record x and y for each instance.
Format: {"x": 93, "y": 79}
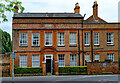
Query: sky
{"x": 107, "y": 9}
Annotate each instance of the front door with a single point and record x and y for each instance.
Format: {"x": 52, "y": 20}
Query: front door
{"x": 48, "y": 66}
{"x": 49, "y": 59}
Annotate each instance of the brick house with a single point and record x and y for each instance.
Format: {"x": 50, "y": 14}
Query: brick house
{"x": 50, "y": 40}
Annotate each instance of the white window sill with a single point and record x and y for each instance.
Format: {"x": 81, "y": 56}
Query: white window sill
{"x": 96, "y": 45}
{"x": 35, "y": 46}
{"x": 61, "y": 45}
{"x": 73, "y": 45}
{"x": 87, "y": 44}
{"x": 110, "y": 44}
{"x": 48, "y": 45}
{"x": 61, "y": 66}
{"x": 35, "y": 66}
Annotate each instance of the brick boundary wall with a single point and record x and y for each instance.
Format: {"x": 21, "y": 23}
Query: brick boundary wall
{"x": 5, "y": 65}
{"x": 102, "y": 67}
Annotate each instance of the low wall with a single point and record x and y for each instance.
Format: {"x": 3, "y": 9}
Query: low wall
{"x": 102, "y": 67}
{"x": 5, "y": 58}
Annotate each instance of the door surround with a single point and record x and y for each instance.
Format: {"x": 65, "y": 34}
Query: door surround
{"x": 49, "y": 56}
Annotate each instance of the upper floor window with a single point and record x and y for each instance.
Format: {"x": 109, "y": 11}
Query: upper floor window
{"x": 96, "y": 38}
{"x": 48, "y": 39}
{"x": 97, "y": 58}
{"x": 73, "y": 60}
{"x": 110, "y": 56}
{"x": 73, "y": 39}
{"x": 61, "y": 41}
{"x": 110, "y": 38}
{"x": 86, "y": 38}
{"x": 35, "y": 39}
{"x": 35, "y": 61}
{"x": 23, "y": 39}
{"x": 87, "y": 58}
{"x": 61, "y": 58}
{"x": 23, "y": 60}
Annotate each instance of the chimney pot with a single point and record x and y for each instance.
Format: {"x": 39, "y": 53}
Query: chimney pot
{"x": 77, "y": 8}
{"x": 95, "y": 10}
{"x": 16, "y": 9}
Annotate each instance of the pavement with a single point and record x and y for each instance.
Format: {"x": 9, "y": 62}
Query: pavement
{"x": 73, "y": 78}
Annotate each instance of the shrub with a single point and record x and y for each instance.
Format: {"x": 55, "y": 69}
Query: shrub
{"x": 119, "y": 63}
{"x": 28, "y": 70}
{"x": 73, "y": 69}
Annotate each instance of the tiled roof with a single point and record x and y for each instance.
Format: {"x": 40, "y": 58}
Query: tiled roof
{"x": 47, "y": 15}
{"x": 92, "y": 20}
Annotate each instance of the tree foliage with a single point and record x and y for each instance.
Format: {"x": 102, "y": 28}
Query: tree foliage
{"x": 6, "y": 42}
{"x": 8, "y": 5}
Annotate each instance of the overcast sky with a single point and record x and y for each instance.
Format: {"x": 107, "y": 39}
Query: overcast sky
{"x": 107, "y": 9}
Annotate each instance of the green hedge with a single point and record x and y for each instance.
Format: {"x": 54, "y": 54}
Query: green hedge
{"x": 73, "y": 69}
{"x": 28, "y": 70}
{"x": 119, "y": 63}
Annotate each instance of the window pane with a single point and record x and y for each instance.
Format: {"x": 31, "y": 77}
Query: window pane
{"x": 23, "y": 39}
{"x": 61, "y": 58}
{"x": 86, "y": 38}
{"x": 23, "y": 60}
{"x": 110, "y": 38}
{"x": 96, "y": 38}
{"x": 60, "y": 39}
{"x": 96, "y": 57}
{"x": 48, "y": 39}
{"x": 110, "y": 56}
{"x": 73, "y": 60}
{"x": 73, "y": 39}
{"x": 87, "y": 58}
{"x": 35, "y": 39}
{"x": 35, "y": 61}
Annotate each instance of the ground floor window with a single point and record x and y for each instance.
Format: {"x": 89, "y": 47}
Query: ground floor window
{"x": 35, "y": 61}
{"x": 110, "y": 56}
{"x": 61, "y": 58}
{"x": 97, "y": 58}
{"x": 23, "y": 60}
{"x": 87, "y": 58}
{"x": 73, "y": 60}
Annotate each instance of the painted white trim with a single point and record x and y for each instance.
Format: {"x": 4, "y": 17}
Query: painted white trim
{"x": 51, "y": 55}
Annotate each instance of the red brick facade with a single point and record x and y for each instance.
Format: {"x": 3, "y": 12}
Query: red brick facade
{"x": 66, "y": 25}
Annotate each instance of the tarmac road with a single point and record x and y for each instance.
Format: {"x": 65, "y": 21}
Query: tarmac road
{"x": 77, "y": 78}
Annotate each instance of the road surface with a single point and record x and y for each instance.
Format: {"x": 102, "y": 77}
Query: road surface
{"x": 82, "y": 78}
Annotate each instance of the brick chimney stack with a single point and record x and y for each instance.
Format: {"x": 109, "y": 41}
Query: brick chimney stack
{"x": 77, "y": 8}
{"x": 16, "y": 9}
{"x": 95, "y": 10}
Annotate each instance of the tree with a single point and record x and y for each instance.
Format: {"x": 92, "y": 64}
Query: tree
{"x": 6, "y": 42}
{"x": 8, "y": 5}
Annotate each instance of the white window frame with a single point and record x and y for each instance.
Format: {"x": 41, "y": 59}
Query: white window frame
{"x": 96, "y": 38}
{"x": 35, "y": 39}
{"x": 110, "y": 56}
{"x": 73, "y": 60}
{"x": 23, "y": 39}
{"x": 110, "y": 37}
{"x": 73, "y": 38}
{"x": 61, "y": 39}
{"x": 61, "y": 62}
{"x": 86, "y": 39}
{"x": 35, "y": 60}
{"x": 87, "y": 58}
{"x": 23, "y": 60}
{"x": 97, "y": 57}
{"x": 49, "y": 35}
